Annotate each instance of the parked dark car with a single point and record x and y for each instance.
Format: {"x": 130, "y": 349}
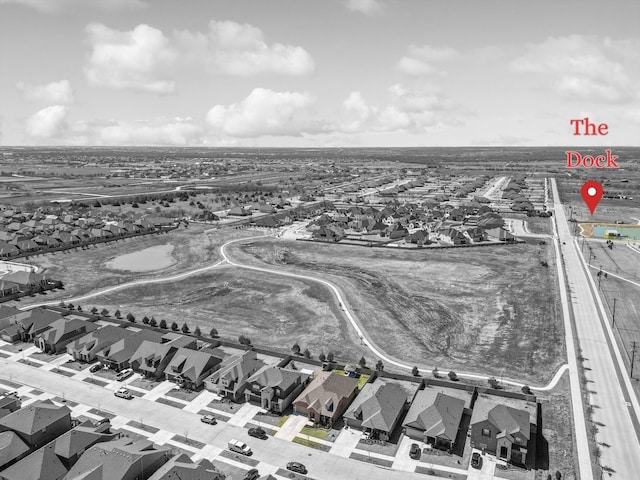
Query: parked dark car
{"x": 415, "y": 451}
{"x": 95, "y": 368}
{"x": 252, "y": 474}
{"x": 258, "y": 433}
{"x": 297, "y": 467}
{"x": 476, "y": 460}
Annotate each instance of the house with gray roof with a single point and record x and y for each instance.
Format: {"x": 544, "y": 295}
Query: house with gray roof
{"x": 181, "y": 467}
{"x": 38, "y": 423}
{"x": 274, "y": 388}
{"x": 84, "y": 349}
{"x": 61, "y": 332}
{"x": 377, "y": 409}
{"x": 504, "y": 427}
{"x": 189, "y": 368}
{"x": 43, "y": 464}
{"x": 117, "y": 355}
{"x": 230, "y": 380}
{"x": 12, "y": 449}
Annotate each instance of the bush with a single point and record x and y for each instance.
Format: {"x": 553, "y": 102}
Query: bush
{"x": 379, "y": 366}
{"x": 415, "y": 372}
{"x": 330, "y": 357}
{"x": 322, "y": 357}
{"x": 435, "y": 373}
{"x": 104, "y": 312}
{"x": 453, "y": 376}
{"x": 307, "y": 353}
{"x": 526, "y": 390}
{"x": 131, "y": 318}
{"x": 493, "y": 383}
{"x": 174, "y": 326}
{"x": 197, "y": 332}
{"x": 185, "y": 328}
{"x": 153, "y": 322}
{"x": 296, "y": 349}
{"x": 118, "y": 314}
{"x": 145, "y": 320}
{"x": 244, "y": 340}
{"x": 213, "y": 333}
{"x": 362, "y": 362}
{"x": 163, "y": 323}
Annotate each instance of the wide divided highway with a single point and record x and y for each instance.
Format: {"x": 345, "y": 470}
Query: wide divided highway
{"x": 615, "y": 406}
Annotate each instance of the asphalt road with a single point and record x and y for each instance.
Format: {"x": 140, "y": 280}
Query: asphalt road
{"x": 607, "y": 382}
{"x": 276, "y": 452}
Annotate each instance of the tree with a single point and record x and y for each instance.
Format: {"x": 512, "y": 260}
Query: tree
{"x": 307, "y": 353}
{"x": 453, "y": 376}
{"x": 131, "y": 318}
{"x": 213, "y": 333}
{"x": 153, "y": 322}
{"x": 163, "y": 323}
{"x": 493, "y": 383}
{"x": 558, "y": 475}
{"x": 185, "y": 328}
{"x": 174, "y": 326}
{"x": 104, "y": 312}
{"x": 244, "y": 340}
{"x": 415, "y": 372}
{"x": 145, "y": 320}
{"x": 197, "y": 332}
{"x": 330, "y": 356}
{"x": 379, "y": 366}
{"x": 79, "y": 308}
{"x": 322, "y": 357}
{"x": 435, "y": 373}
{"x": 362, "y": 362}
{"x": 118, "y": 314}
{"x": 296, "y": 348}
{"x": 526, "y": 390}
{"x": 70, "y": 306}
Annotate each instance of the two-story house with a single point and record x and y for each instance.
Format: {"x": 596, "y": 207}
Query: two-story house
{"x": 275, "y": 388}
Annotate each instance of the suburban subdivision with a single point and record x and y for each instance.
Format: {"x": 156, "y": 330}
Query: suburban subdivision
{"x": 316, "y": 314}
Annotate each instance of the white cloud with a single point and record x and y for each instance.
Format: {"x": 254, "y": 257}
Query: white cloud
{"x": 51, "y": 93}
{"x": 136, "y": 60}
{"x": 48, "y": 123}
{"x": 421, "y": 61}
{"x": 367, "y": 7}
{"x": 584, "y": 67}
{"x": 161, "y": 131}
{"x": 265, "y": 112}
{"x": 56, "y": 6}
{"x": 241, "y": 49}
{"x": 408, "y": 110}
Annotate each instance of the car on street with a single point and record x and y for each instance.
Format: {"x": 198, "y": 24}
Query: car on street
{"x": 252, "y": 474}
{"x": 123, "y": 393}
{"x": 95, "y": 368}
{"x": 258, "y": 433}
{"x": 415, "y": 451}
{"x": 476, "y": 460}
{"x": 124, "y": 374}
{"x": 297, "y": 467}
{"x": 210, "y": 419}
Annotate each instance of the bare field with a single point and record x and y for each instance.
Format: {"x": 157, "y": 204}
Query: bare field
{"x": 491, "y": 310}
{"x": 83, "y": 271}
{"x": 272, "y": 310}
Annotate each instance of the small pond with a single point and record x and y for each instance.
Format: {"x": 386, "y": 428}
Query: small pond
{"x": 149, "y": 259}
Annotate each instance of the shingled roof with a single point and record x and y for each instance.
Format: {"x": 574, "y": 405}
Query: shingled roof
{"x": 378, "y": 405}
{"x": 43, "y": 464}
{"x": 34, "y": 417}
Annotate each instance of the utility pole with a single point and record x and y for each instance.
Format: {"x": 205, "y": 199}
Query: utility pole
{"x": 634, "y": 345}
{"x": 613, "y": 324}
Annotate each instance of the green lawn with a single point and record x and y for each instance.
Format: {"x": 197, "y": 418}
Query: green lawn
{"x": 361, "y": 381}
{"x": 320, "y": 433}
{"x": 283, "y": 420}
{"x": 308, "y": 443}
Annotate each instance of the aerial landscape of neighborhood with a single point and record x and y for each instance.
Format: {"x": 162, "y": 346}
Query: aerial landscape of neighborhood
{"x": 245, "y": 313}
{"x": 319, "y": 240}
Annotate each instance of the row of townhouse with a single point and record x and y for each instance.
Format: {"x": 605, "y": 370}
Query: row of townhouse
{"x": 41, "y": 441}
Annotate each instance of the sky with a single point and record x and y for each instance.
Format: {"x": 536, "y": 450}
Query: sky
{"x": 318, "y": 73}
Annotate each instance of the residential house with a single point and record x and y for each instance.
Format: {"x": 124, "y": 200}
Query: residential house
{"x": 38, "y": 423}
{"x": 61, "y": 332}
{"x": 84, "y": 349}
{"x": 326, "y": 397}
{"x": 152, "y": 358}
{"x": 121, "y": 459}
{"x": 189, "y": 368}
{"x": 8, "y": 288}
{"x": 230, "y": 380}
{"x": 9, "y": 403}
{"x": 8, "y": 250}
{"x": 434, "y": 417}
{"x": 377, "y": 409}
{"x": 181, "y": 467}
{"x": 117, "y": 355}
{"x": 70, "y": 446}
{"x": 500, "y": 234}
{"x": 504, "y": 429}
{"x": 43, "y": 464}
{"x": 26, "y": 325}
{"x": 12, "y": 449}
{"x": 27, "y": 281}
{"x": 274, "y": 388}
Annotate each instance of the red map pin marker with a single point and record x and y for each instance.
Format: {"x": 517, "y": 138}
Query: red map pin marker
{"x": 592, "y": 192}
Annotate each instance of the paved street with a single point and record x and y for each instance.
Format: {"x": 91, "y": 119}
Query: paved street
{"x": 273, "y": 453}
{"x": 607, "y": 381}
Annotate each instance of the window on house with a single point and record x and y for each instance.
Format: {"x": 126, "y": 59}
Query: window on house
{"x": 486, "y": 432}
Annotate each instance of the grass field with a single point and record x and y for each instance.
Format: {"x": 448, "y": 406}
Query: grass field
{"x": 492, "y": 310}
{"x": 83, "y": 271}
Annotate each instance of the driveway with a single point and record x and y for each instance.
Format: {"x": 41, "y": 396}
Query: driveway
{"x": 487, "y": 471}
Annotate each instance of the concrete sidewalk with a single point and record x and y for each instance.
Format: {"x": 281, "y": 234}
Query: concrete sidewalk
{"x": 292, "y": 427}
{"x": 346, "y": 442}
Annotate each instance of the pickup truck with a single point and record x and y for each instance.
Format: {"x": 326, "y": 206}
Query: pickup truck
{"x": 240, "y": 447}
